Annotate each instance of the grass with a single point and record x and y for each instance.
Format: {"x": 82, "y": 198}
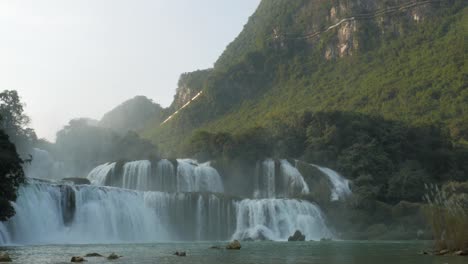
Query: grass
{"x": 447, "y": 213}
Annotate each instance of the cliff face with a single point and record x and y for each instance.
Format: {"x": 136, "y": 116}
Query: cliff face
{"x": 189, "y": 85}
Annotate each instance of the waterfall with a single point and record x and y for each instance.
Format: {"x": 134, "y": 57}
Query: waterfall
{"x": 98, "y": 176}
{"x": 277, "y": 219}
{"x": 293, "y": 182}
{"x": 136, "y": 175}
{"x": 340, "y": 184}
{"x": 194, "y": 177}
{"x": 271, "y": 183}
{"x": 165, "y": 179}
{"x": 265, "y": 182}
{"x": 47, "y": 213}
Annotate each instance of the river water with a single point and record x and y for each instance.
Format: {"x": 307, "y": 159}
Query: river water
{"x": 342, "y": 252}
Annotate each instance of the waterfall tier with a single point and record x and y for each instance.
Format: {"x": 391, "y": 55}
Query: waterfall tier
{"x": 51, "y": 213}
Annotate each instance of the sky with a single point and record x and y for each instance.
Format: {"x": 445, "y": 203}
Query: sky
{"x": 81, "y": 58}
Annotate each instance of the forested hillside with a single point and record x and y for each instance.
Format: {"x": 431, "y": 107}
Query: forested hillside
{"x": 398, "y": 60}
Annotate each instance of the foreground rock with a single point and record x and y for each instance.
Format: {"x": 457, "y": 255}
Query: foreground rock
{"x": 113, "y": 256}
{"x": 77, "y": 259}
{"x": 461, "y": 253}
{"x": 180, "y": 254}
{"x": 297, "y": 236}
{"x": 234, "y": 245}
{"x": 93, "y": 255}
{"x": 4, "y": 257}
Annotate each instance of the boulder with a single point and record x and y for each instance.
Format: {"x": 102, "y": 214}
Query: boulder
{"x": 4, "y": 257}
{"x": 234, "y": 245}
{"x": 297, "y": 236}
{"x": 113, "y": 256}
{"x": 93, "y": 255}
{"x": 77, "y": 259}
{"x": 215, "y": 247}
{"x": 443, "y": 252}
{"x": 461, "y": 253}
{"x": 180, "y": 254}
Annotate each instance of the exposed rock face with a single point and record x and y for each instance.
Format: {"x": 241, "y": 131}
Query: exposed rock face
{"x": 4, "y": 257}
{"x": 234, "y": 245}
{"x": 297, "y": 236}
{"x": 190, "y": 84}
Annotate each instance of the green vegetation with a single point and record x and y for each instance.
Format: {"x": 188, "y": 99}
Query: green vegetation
{"x": 132, "y": 115}
{"x": 415, "y": 76}
{"x": 13, "y": 125}
{"x": 448, "y": 215}
{"x": 11, "y": 176}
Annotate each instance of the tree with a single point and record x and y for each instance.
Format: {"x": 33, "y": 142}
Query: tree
{"x": 11, "y": 176}
{"x": 14, "y": 122}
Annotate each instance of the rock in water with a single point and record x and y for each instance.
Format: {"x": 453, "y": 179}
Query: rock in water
{"x": 4, "y": 257}
{"x": 234, "y": 245}
{"x": 113, "y": 256}
{"x": 77, "y": 259}
{"x": 93, "y": 255}
{"x": 297, "y": 236}
{"x": 180, "y": 254}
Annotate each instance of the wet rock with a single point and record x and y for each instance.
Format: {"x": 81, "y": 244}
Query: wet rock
{"x": 77, "y": 259}
{"x": 234, "y": 245}
{"x": 93, "y": 255}
{"x": 4, "y": 257}
{"x": 113, "y": 256}
{"x": 297, "y": 236}
{"x": 461, "y": 253}
{"x": 180, "y": 254}
{"x": 325, "y": 239}
{"x": 215, "y": 247}
{"x": 443, "y": 252}
{"x": 424, "y": 253}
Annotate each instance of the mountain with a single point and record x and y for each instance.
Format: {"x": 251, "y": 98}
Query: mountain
{"x": 401, "y": 60}
{"x": 132, "y": 115}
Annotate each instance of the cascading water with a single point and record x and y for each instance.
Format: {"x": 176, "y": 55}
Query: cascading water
{"x": 265, "y": 182}
{"x": 183, "y": 202}
{"x": 99, "y": 175}
{"x": 293, "y": 182}
{"x": 136, "y": 175}
{"x": 165, "y": 179}
{"x": 277, "y": 219}
{"x": 340, "y": 184}
{"x": 271, "y": 183}
{"x": 194, "y": 177}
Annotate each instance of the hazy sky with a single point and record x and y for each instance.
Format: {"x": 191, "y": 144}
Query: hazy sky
{"x": 81, "y": 58}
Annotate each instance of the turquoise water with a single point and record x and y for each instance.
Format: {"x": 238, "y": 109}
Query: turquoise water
{"x": 347, "y": 252}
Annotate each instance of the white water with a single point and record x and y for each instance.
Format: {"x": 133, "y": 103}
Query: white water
{"x": 340, "y": 184}
{"x": 277, "y": 219}
{"x": 194, "y": 177}
{"x": 100, "y": 215}
{"x": 265, "y": 180}
{"x": 165, "y": 179}
{"x": 293, "y": 181}
{"x": 99, "y": 174}
{"x": 136, "y": 175}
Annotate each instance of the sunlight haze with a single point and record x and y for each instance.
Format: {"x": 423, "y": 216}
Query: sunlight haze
{"x": 85, "y": 57}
